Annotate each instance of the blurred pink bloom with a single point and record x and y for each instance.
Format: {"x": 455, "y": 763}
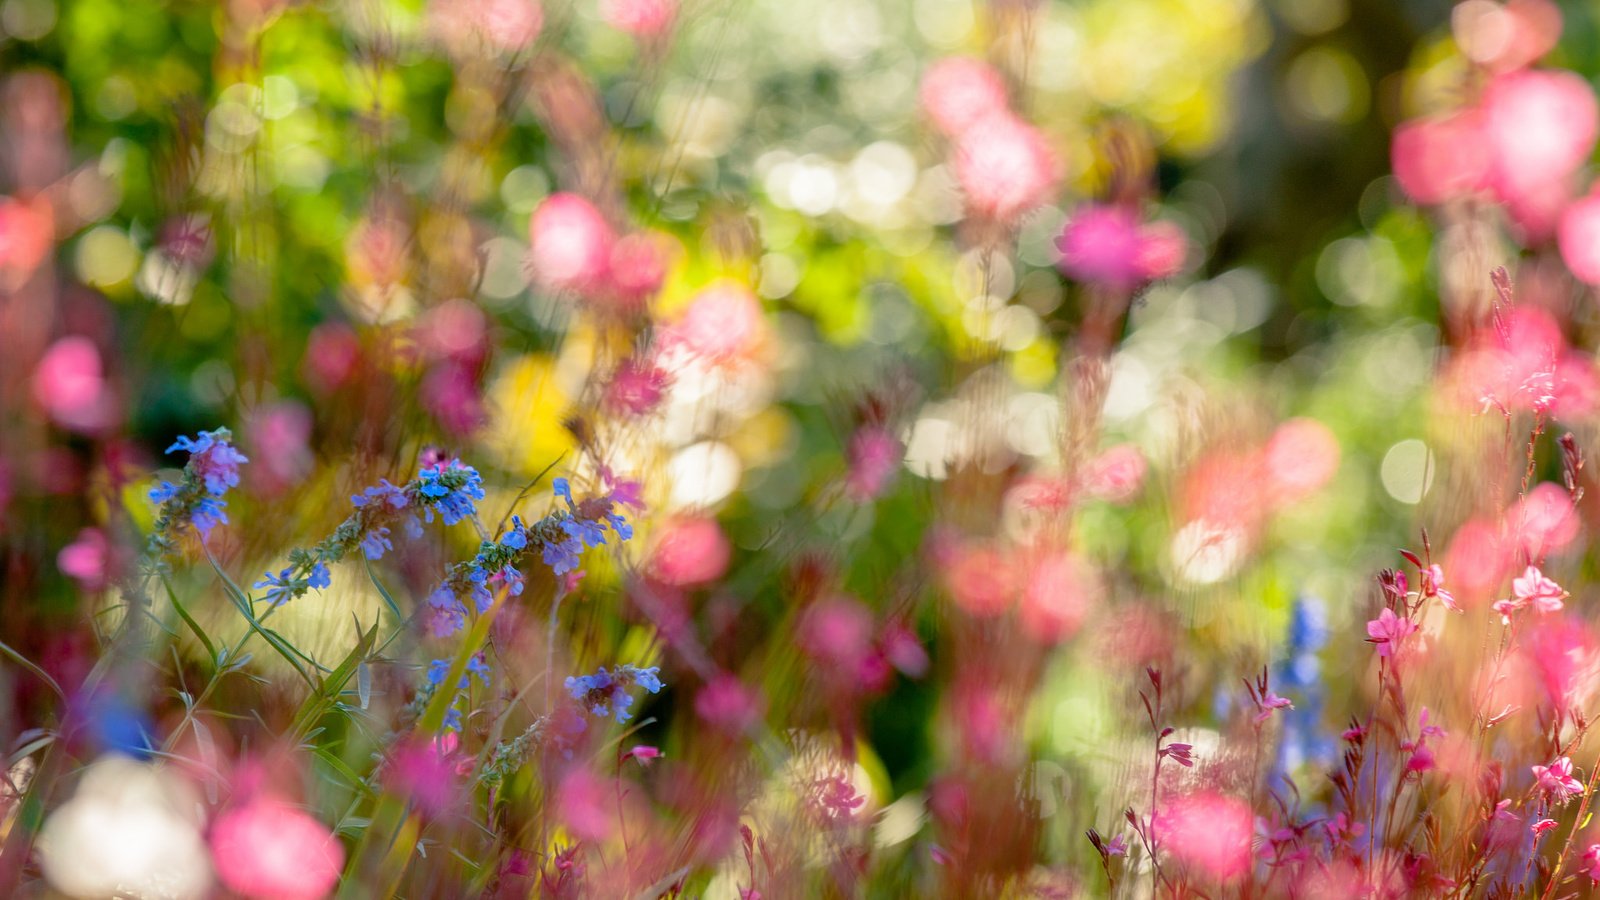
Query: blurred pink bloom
{"x": 1116, "y": 474}
{"x": 1579, "y": 238}
{"x": 451, "y": 395}
{"x": 1209, "y": 831}
{"x": 1540, "y": 127}
{"x": 874, "y": 456}
{"x": 572, "y": 244}
{"x": 837, "y": 632}
{"x": 1301, "y": 456}
{"x": 981, "y": 579}
{"x": 583, "y": 803}
{"x": 332, "y": 353}
{"x": 1441, "y": 158}
{"x": 1555, "y": 781}
{"x": 429, "y": 772}
{"x": 1388, "y": 630}
{"x": 268, "y": 848}
{"x": 1541, "y": 826}
{"x": 728, "y": 705}
{"x": 1477, "y": 558}
{"x": 26, "y": 233}
{"x": 636, "y": 387}
{"x": 638, "y": 266}
{"x": 1544, "y": 521}
{"x": 456, "y": 330}
{"x": 903, "y": 651}
{"x": 1269, "y": 704}
{"x": 644, "y": 19}
{"x": 723, "y": 324}
{"x": 1005, "y": 166}
{"x": 86, "y": 560}
{"x": 70, "y": 384}
{"x": 1507, "y": 37}
{"x": 279, "y": 436}
{"x": 689, "y": 552}
{"x": 505, "y": 25}
{"x": 1057, "y": 595}
{"x": 1563, "y": 660}
{"x": 1106, "y": 245}
{"x": 958, "y": 91}
{"x": 1590, "y": 864}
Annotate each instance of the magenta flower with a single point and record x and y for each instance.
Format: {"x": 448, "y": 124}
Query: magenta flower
{"x": 1534, "y": 589}
{"x": 1541, "y": 826}
{"x": 1433, "y": 586}
{"x": 1107, "y": 245}
{"x": 1269, "y": 703}
{"x": 1590, "y": 864}
{"x": 1555, "y": 781}
{"x": 1388, "y": 630}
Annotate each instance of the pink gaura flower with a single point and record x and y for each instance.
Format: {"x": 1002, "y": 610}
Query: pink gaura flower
{"x": 1388, "y": 630}
{"x": 1544, "y": 521}
{"x": 723, "y": 325}
{"x": 689, "y": 552}
{"x": 1433, "y": 586}
{"x": 70, "y": 384}
{"x": 572, "y": 244}
{"x": 268, "y": 848}
{"x": 729, "y": 705}
{"x": 583, "y": 803}
{"x": 1506, "y": 37}
{"x": 642, "y": 754}
{"x": 1301, "y": 456}
{"x": 87, "y": 560}
{"x": 1269, "y": 704}
{"x": 1005, "y": 167}
{"x": 636, "y": 388}
{"x": 1534, "y": 589}
{"x": 1116, "y": 474}
{"x": 1541, "y": 826}
{"x": 981, "y": 579}
{"x": 644, "y": 19}
{"x": 958, "y": 91}
{"x": 1209, "y": 831}
{"x": 1590, "y": 864}
{"x": 1058, "y": 591}
{"x": 1556, "y": 782}
{"x": 1441, "y": 158}
{"x": 1578, "y": 236}
{"x": 874, "y": 455}
{"x": 1107, "y": 245}
{"x": 1539, "y": 126}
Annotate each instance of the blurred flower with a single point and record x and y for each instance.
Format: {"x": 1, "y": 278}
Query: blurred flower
{"x": 1116, "y": 474}
{"x": 87, "y": 560}
{"x": 723, "y": 325}
{"x": 268, "y": 848}
{"x": 606, "y": 693}
{"x": 642, "y": 754}
{"x": 1590, "y": 864}
{"x": 572, "y": 244}
{"x": 1106, "y": 245}
{"x": 689, "y": 552}
{"x": 874, "y": 456}
{"x": 69, "y": 383}
{"x": 636, "y": 388}
{"x": 728, "y": 704}
{"x": 1540, "y": 127}
{"x": 1301, "y": 456}
{"x": 280, "y": 434}
{"x": 1058, "y": 591}
{"x": 130, "y": 829}
{"x": 837, "y": 632}
{"x": 504, "y": 25}
{"x": 1506, "y": 37}
{"x": 959, "y": 91}
{"x": 982, "y": 580}
{"x": 637, "y": 267}
{"x": 583, "y": 803}
{"x": 26, "y": 235}
{"x": 644, "y": 19}
{"x": 1209, "y": 831}
{"x": 332, "y": 354}
{"x": 1005, "y": 167}
{"x": 1441, "y": 158}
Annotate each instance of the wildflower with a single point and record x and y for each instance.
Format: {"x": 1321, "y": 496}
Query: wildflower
{"x": 562, "y": 556}
{"x": 269, "y": 848}
{"x": 1556, "y": 782}
{"x": 1590, "y": 864}
{"x": 644, "y": 19}
{"x": 449, "y": 487}
{"x": 69, "y": 383}
{"x": 213, "y": 459}
{"x": 642, "y": 754}
{"x": 958, "y": 91}
{"x": 1269, "y": 703}
{"x": 213, "y": 467}
{"x": 87, "y": 560}
{"x": 874, "y": 455}
{"x": 1534, "y": 589}
{"x": 280, "y": 587}
{"x": 1180, "y": 753}
{"x": 1209, "y": 831}
{"x": 1117, "y": 846}
{"x": 636, "y": 388}
{"x": 1106, "y": 245}
{"x": 1004, "y": 166}
{"x": 606, "y": 693}
{"x": 1433, "y": 586}
{"x": 690, "y": 552}
{"x": 1541, "y": 826}
{"x": 1388, "y": 630}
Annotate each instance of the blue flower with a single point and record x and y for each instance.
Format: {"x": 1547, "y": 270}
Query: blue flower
{"x": 375, "y": 543}
{"x": 563, "y": 490}
{"x": 620, "y": 526}
{"x": 320, "y": 579}
{"x": 437, "y": 670}
{"x": 207, "y": 514}
{"x": 590, "y": 533}
{"x": 212, "y": 459}
{"x": 606, "y": 694}
{"x": 477, "y": 666}
{"x": 562, "y": 556}
{"x": 382, "y": 493}
{"x": 517, "y": 537}
{"x": 450, "y": 488}
{"x": 163, "y": 492}
{"x": 280, "y": 587}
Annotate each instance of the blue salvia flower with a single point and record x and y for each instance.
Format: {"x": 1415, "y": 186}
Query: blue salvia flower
{"x": 451, "y": 488}
{"x": 606, "y": 693}
{"x": 375, "y": 543}
{"x": 280, "y": 587}
{"x": 212, "y": 468}
{"x": 1305, "y": 740}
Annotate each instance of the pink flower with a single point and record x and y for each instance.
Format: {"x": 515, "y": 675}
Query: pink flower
{"x": 1541, "y": 826}
{"x": 26, "y": 233}
{"x": 1301, "y": 456}
{"x": 572, "y": 244}
{"x": 280, "y": 434}
{"x": 1555, "y": 781}
{"x": 837, "y": 632}
{"x": 874, "y": 456}
{"x": 1504, "y": 38}
{"x": 1106, "y": 245}
{"x": 959, "y": 91}
{"x": 1388, "y": 630}
{"x": 644, "y": 19}
{"x": 723, "y": 325}
{"x": 1539, "y": 127}
{"x": 1180, "y": 753}
{"x": 1057, "y": 594}
{"x": 268, "y": 848}
{"x": 70, "y": 385}
{"x": 1117, "y": 846}
{"x": 981, "y": 580}
{"x": 86, "y": 560}
{"x": 1270, "y": 703}
{"x": 690, "y": 552}
{"x": 1005, "y": 166}
{"x": 1209, "y": 831}
{"x": 1590, "y": 864}
{"x": 1116, "y": 474}
{"x": 728, "y": 705}
{"x": 1442, "y": 158}
{"x": 1534, "y": 589}
{"x": 505, "y": 25}
{"x": 1578, "y": 236}
{"x": 642, "y": 754}
{"x": 583, "y": 802}
{"x": 1545, "y": 520}
{"x": 636, "y": 387}
{"x": 638, "y": 266}
{"x": 1433, "y": 586}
